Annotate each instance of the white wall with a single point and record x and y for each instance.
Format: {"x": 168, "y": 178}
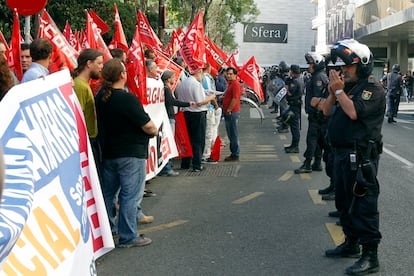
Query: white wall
{"x": 297, "y": 14}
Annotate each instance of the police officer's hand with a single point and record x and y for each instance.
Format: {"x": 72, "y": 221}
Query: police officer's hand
{"x": 335, "y": 82}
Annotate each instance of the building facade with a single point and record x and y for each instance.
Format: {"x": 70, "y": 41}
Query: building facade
{"x": 282, "y": 31}
{"x": 387, "y": 27}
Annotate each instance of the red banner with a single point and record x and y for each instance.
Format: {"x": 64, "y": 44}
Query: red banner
{"x": 215, "y": 56}
{"x": 101, "y": 26}
{"x": 249, "y": 73}
{"x": 165, "y": 63}
{"x": 136, "y": 80}
{"x": 95, "y": 39}
{"x": 119, "y": 40}
{"x": 193, "y": 49}
{"x": 182, "y": 140}
{"x": 14, "y": 51}
{"x": 148, "y": 36}
{"x": 64, "y": 55}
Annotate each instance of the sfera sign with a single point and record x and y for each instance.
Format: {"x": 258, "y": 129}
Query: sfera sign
{"x": 267, "y": 33}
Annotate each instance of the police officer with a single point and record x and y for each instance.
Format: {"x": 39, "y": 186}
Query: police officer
{"x": 394, "y": 87}
{"x": 294, "y": 98}
{"x": 314, "y": 137}
{"x": 355, "y": 135}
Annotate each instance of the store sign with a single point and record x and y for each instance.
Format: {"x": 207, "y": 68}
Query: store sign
{"x": 266, "y": 33}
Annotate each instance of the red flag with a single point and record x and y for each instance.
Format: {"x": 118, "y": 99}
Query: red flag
{"x": 148, "y": 36}
{"x": 137, "y": 76}
{"x": 101, "y": 26}
{"x": 214, "y": 55}
{"x": 175, "y": 43}
{"x": 95, "y": 39}
{"x": 64, "y": 55}
{"x": 193, "y": 49}
{"x": 83, "y": 41}
{"x": 216, "y": 149}
{"x": 165, "y": 63}
{"x": 70, "y": 37}
{"x": 250, "y": 75}
{"x": 119, "y": 40}
{"x": 76, "y": 41}
{"x": 2, "y": 39}
{"x": 14, "y": 51}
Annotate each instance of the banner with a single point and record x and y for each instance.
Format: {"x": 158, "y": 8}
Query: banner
{"x": 250, "y": 74}
{"x": 193, "y": 48}
{"x": 53, "y": 219}
{"x": 148, "y": 36}
{"x": 161, "y": 148}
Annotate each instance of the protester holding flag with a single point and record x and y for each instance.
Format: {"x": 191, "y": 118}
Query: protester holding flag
{"x": 41, "y": 51}
{"x": 231, "y": 107}
{"x": 6, "y": 80}
{"x": 168, "y": 78}
{"x": 126, "y": 129}
{"x": 90, "y": 63}
{"x": 189, "y": 90}
{"x": 3, "y": 51}
{"x": 25, "y": 57}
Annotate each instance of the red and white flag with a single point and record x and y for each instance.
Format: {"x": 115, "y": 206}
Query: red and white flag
{"x": 249, "y": 73}
{"x": 165, "y": 63}
{"x": 14, "y": 50}
{"x": 214, "y": 55}
{"x": 68, "y": 34}
{"x": 136, "y": 80}
{"x": 94, "y": 38}
{"x": 101, "y": 26}
{"x": 2, "y": 39}
{"x": 193, "y": 49}
{"x": 174, "y": 45}
{"x": 119, "y": 40}
{"x": 148, "y": 36}
{"x": 64, "y": 55}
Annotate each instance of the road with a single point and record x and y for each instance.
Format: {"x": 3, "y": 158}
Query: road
{"x": 255, "y": 217}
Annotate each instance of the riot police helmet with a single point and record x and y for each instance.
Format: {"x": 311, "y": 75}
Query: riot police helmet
{"x": 316, "y": 59}
{"x": 283, "y": 67}
{"x": 396, "y": 68}
{"x": 294, "y": 68}
{"x": 350, "y": 51}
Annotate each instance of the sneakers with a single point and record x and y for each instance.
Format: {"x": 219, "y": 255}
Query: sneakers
{"x": 137, "y": 242}
{"x": 231, "y": 158}
{"x": 208, "y": 161}
{"x": 198, "y": 169}
{"x": 145, "y": 219}
{"x": 170, "y": 173}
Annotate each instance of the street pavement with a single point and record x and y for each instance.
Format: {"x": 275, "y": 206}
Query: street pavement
{"x": 252, "y": 217}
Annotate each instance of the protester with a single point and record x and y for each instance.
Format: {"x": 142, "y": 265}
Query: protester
{"x": 25, "y": 57}
{"x": 231, "y": 107}
{"x": 6, "y": 80}
{"x": 354, "y": 132}
{"x": 90, "y": 63}
{"x": 191, "y": 90}
{"x": 126, "y": 129}
{"x": 221, "y": 81}
{"x": 168, "y": 79}
{"x": 3, "y": 53}
{"x": 119, "y": 54}
{"x": 41, "y": 53}
{"x": 150, "y": 54}
{"x": 213, "y": 115}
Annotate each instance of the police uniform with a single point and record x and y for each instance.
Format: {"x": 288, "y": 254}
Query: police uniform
{"x": 394, "y": 86}
{"x": 314, "y": 136}
{"x": 359, "y": 138}
{"x": 294, "y": 99}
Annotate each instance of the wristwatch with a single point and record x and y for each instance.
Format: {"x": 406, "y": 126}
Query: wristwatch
{"x": 339, "y": 91}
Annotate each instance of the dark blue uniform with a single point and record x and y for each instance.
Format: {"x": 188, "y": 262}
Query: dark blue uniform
{"x": 294, "y": 99}
{"x": 316, "y": 87}
{"x": 362, "y": 137}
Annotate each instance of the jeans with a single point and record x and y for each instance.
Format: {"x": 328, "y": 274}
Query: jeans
{"x": 126, "y": 174}
{"x": 233, "y": 133}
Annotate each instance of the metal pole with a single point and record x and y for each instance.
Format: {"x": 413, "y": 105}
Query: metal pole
{"x": 27, "y": 29}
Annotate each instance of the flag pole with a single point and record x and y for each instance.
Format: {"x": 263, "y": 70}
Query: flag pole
{"x": 27, "y": 29}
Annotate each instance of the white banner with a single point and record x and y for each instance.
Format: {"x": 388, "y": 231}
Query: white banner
{"x": 162, "y": 147}
{"x": 52, "y": 215}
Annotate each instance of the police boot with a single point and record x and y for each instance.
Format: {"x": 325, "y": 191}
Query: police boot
{"x": 317, "y": 166}
{"x": 368, "y": 263}
{"x": 305, "y": 168}
{"x": 292, "y": 149}
{"x": 348, "y": 249}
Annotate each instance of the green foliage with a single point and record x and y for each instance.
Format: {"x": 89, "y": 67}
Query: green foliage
{"x": 220, "y": 16}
